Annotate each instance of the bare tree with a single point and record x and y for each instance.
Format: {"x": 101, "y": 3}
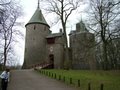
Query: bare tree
{"x": 102, "y": 15}
{"x": 10, "y": 13}
{"x": 114, "y": 47}
{"x": 63, "y": 9}
{"x": 4, "y": 2}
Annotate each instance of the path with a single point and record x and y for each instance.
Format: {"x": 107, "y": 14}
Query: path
{"x": 31, "y": 80}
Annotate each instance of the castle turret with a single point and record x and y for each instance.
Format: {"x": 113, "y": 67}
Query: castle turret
{"x": 82, "y": 48}
{"x": 80, "y": 27}
{"x": 35, "y": 44}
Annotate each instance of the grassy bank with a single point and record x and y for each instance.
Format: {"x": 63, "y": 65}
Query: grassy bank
{"x": 86, "y": 79}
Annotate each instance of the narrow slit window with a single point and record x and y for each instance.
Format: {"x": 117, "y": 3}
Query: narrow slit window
{"x": 34, "y": 27}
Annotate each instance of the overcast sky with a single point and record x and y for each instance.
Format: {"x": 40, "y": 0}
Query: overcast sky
{"x": 29, "y": 7}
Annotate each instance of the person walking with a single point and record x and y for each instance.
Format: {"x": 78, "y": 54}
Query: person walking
{"x": 5, "y": 79}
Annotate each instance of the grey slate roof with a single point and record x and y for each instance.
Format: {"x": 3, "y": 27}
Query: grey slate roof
{"x": 37, "y": 18}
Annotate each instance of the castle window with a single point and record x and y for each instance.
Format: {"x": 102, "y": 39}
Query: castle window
{"x": 51, "y": 40}
{"x": 34, "y": 27}
{"x": 45, "y": 28}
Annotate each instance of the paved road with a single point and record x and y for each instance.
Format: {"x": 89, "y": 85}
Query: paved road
{"x": 31, "y": 80}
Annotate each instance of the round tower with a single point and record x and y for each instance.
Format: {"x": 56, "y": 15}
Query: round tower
{"x": 35, "y": 43}
{"x": 82, "y": 47}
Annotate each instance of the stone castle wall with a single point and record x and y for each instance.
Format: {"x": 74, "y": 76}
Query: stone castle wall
{"x": 57, "y": 50}
{"x": 82, "y": 48}
{"x": 35, "y": 46}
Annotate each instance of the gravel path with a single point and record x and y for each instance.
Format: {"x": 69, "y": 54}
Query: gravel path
{"x": 31, "y": 80}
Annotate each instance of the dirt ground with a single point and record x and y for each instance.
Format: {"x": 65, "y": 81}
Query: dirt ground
{"x": 31, "y": 80}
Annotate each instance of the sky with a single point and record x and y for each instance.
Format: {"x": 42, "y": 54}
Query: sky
{"x": 29, "y": 7}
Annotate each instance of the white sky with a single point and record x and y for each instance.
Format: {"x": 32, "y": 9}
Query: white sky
{"x": 29, "y": 7}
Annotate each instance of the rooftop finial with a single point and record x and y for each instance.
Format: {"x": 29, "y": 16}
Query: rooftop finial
{"x": 38, "y": 4}
{"x": 81, "y": 16}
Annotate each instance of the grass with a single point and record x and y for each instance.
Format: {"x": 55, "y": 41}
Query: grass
{"x": 110, "y": 79}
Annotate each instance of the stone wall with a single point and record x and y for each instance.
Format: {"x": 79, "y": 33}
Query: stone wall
{"x": 82, "y": 48}
{"x": 57, "y": 50}
{"x": 35, "y": 44}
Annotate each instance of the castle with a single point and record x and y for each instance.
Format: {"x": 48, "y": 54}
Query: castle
{"x": 41, "y": 45}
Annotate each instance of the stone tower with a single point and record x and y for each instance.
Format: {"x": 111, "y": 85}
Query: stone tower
{"x": 35, "y": 43}
{"x": 82, "y": 48}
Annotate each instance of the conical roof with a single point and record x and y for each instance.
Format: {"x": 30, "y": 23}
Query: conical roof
{"x": 37, "y": 18}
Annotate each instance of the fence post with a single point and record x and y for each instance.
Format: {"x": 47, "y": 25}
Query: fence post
{"x": 70, "y": 80}
{"x": 78, "y": 83}
{"x": 52, "y": 74}
{"x": 89, "y": 86}
{"x": 101, "y": 87}
{"x": 64, "y": 78}
{"x": 59, "y": 77}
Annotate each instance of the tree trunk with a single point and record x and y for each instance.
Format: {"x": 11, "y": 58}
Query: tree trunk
{"x": 106, "y": 63}
{"x": 5, "y": 58}
{"x": 66, "y": 61}
{"x": 5, "y": 53}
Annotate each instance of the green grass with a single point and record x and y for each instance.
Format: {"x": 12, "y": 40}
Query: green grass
{"x": 110, "y": 79}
